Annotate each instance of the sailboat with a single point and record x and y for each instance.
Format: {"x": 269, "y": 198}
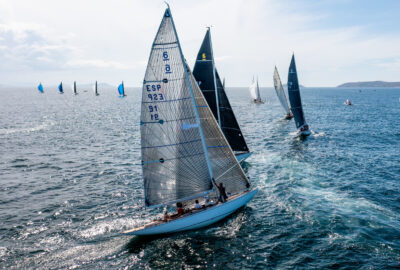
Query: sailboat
{"x": 183, "y": 148}
{"x": 95, "y": 89}
{"x": 208, "y": 80}
{"x": 60, "y": 88}
{"x": 40, "y": 88}
{"x": 295, "y": 100}
{"x": 281, "y": 95}
{"x": 74, "y": 88}
{"x": 121, "y": 90}
{"x": 255, "y": 92}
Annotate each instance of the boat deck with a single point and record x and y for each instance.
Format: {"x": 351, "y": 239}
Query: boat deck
{"x": 191, "y": 212}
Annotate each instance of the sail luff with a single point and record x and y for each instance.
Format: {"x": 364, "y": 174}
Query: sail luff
{"x": 193, "y": 100}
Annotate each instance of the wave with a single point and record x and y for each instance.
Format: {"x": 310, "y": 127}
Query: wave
{"x": 6, "y": 131}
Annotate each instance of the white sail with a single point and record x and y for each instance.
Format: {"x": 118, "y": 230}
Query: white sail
{"x": 253, "y": 90}
{"x": 280, "y": 92}
{"x": 178, "y": 160}
{"x": 258, "y": 92}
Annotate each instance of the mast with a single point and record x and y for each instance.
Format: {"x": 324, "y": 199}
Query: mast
{"x": 193, "y": 100}
{"x": 215, "y": 79}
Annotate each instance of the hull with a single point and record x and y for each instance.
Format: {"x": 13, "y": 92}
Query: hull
{"x": 243, "y": 156}
{"x": 196, "y": 220}
{"x": 304, "y": 133}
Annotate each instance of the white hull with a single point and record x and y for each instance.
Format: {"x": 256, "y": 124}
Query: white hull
{"x": 195, "y": 220}
{"x": 242, "y": 156}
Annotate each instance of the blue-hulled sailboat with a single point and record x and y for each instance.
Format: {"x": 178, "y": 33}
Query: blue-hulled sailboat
{"x": 281, "y": 95}
{"x": 295, "y": 100}
{"x": 213, "y": 89}
{"x": 183, "y": 148}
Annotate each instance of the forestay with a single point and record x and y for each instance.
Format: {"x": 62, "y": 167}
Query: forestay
{"x": 177, "y": 161}
{"x": 294, "y": 95}
{"x": 280, "y": 92}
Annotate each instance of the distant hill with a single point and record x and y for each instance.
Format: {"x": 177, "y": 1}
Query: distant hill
{"x": 370, "y": 84}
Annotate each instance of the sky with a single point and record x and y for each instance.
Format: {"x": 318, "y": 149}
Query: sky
{"x": 334, "y": 41}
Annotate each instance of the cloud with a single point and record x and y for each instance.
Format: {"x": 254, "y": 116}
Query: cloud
{"x": 98, "y": 63}
{"x": 25, "y": 46}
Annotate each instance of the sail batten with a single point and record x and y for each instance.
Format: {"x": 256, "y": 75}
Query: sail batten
{"x": 280, "y": 92}
{"x": 294, "y": 95}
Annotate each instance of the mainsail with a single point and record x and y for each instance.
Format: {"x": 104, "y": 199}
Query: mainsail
{"x": 74, "y": 88}
{"x": 280, "y": 92}
{"x": 60, "y": 88}
{"x": 40, "y": 88}
{"x": 208, "y": 79}
{"x": 121, "y": 90}
{"x": 294, "y": 95}
{"x": 255, "y": 91}
{"x": 182, "y": 145}
{"x": 95, "y": 89}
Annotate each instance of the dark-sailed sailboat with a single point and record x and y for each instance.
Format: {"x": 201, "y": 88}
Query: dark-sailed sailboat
{"x": 74, "y": 88}
{"x": 208, "y": 79}
{"x": 96, "y": 93}
{"x": 184, "y": 152}
{"x": 281, "y": 95}
{"x": 295, "y": 100}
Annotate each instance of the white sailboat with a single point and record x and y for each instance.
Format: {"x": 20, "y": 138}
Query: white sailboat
{"x": 183, "y": 147}
{"x": 281, "y": 95}
{"x": 255, "y": 92}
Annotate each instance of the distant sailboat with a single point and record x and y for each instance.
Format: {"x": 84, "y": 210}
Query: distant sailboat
{"x": 183, "y": 148}
{"x": 74, "y": 88}
{"x": 95, "y": 89}
{"x": 121, "y": 90}
{"x": 255, "y": 92}
{"x": 348, "y": 102}
{"x": 208, "y": 79}
{"x": 60, "y": 88}
{"x": 281, "y": 95}
{"x": 40, "y": 88}
{"x": 295, "y": 100}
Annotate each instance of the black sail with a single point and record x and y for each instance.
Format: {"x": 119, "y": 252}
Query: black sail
{"x": 204, "y": 75}
{"x": 294, "y": 95}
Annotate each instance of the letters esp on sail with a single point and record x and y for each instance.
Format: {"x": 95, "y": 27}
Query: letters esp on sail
{"x": 208, "y": 78}
{"x": 294, "y": 95}
{"x": 280, "y": 92}
{"x": 181, "y": 143}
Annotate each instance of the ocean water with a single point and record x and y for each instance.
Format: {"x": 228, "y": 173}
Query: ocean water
{"x": 70, "y": 182}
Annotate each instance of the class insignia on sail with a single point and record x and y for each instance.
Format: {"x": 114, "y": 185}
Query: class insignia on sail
{"x": 213, "y": 89}
{"x": 280, "y": 92}
{"x": 185, "y": 154}
{"x": 255, "y": 92}
{"x": 295, "y": 100}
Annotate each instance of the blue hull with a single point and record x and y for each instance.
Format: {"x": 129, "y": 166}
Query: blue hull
{"x": 195, "y": 220}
